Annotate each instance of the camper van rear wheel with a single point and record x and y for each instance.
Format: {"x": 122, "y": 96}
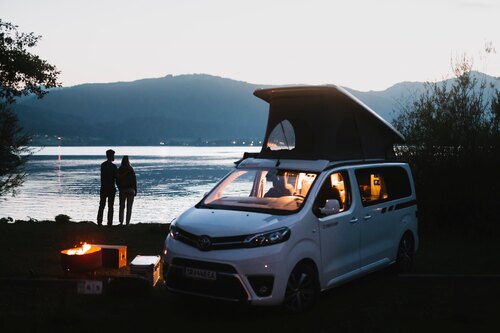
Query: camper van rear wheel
{"x": 302, "y": 289}
{"x": 406, "y": 250}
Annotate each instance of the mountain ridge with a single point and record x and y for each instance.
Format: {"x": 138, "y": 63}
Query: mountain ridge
{"x": 183, "y": 109}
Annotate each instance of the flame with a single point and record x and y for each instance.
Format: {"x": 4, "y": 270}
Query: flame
{"x": 79, "y": 250}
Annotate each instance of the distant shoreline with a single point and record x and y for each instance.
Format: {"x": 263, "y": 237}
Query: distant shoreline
{"x": 130, "y": 145}
{"x": 69, "y": 141}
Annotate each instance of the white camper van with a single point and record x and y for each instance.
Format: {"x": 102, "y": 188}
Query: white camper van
{"x": 324, "y": 202}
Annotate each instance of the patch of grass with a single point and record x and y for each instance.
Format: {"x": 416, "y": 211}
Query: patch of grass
{"x": 379, "y": 302}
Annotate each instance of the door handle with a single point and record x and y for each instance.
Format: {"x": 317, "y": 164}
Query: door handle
{"x": 367, "y": 217}
{"x": 353, "y": 220}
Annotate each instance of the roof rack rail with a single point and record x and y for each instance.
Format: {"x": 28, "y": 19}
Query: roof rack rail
{"x": 335, "y": 164}
{"x": 245, "y": 156}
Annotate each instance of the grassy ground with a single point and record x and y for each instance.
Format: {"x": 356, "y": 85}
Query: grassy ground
{"x": 380, "y": 302}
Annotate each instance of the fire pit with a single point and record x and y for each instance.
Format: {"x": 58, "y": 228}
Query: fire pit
{"x": 86, "y": 258}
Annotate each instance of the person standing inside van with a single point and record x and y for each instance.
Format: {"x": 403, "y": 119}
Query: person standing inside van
{"x": 127, "y": 185}
{"x": 108, "y": 189}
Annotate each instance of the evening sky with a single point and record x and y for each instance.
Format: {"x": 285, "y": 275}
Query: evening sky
{"x": 361, "y": 44}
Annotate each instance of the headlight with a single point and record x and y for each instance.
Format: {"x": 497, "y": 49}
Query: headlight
{"x": 268, "y": 238}
{"x": 174, "y": 232}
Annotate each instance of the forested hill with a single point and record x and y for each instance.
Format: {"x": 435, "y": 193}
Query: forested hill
{"x": 184, "y": 109}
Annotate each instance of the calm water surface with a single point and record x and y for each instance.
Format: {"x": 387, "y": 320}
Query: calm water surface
{"x": 66, "y": 180}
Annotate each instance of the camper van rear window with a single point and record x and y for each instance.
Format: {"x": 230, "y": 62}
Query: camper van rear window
{"x": 382, "y": 184}
{"x": 263, "y": 190}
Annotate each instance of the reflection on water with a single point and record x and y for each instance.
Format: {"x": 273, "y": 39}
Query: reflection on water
{"x": 170, "y": 180}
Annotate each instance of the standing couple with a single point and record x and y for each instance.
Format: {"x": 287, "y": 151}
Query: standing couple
{"x": 125, "y": 179}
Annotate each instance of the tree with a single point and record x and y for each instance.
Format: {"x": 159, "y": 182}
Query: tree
{"x": 21, "y": 73}
{"x": 452, "y": 143}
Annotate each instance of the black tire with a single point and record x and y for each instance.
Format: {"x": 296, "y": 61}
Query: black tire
{"x": 302, "y": 289}
{"x": 406, "y": 251}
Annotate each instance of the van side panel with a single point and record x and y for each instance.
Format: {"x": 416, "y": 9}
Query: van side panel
{"x": 387, "y": 210}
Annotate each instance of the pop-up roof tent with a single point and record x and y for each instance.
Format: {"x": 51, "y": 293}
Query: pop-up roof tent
{"x": 324, "y": 122}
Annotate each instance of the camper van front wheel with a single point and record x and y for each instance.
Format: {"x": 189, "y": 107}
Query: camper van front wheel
{"x": 302, "y": 289}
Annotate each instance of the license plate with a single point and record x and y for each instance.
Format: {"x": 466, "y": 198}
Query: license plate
{"x": 195, "y": 273}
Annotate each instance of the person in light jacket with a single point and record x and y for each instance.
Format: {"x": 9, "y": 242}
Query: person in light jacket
{"x": 127, "y": 185}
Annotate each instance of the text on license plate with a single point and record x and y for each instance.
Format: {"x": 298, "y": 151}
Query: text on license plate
{"x": 196, "y": 273}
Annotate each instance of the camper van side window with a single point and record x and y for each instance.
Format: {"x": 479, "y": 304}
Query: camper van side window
{"x": 382, "y": 184}
{"x": 336, "y": 186}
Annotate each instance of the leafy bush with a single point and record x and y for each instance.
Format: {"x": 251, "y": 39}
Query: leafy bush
{"x": 6, "y": 219}
{"x": 61, "y": 218}
{"x": 453, "y": 145}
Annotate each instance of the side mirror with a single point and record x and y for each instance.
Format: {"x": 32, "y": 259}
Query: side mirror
{"x": 332, "y": 206}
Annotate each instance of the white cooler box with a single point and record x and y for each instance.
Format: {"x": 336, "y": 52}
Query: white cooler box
{"x": 147, "y": 267}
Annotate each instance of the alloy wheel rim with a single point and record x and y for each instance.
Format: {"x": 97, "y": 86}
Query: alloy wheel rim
{"x": 299, "y": 291}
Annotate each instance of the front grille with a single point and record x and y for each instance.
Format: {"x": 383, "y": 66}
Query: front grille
{"x": 216, "y": 243}
{"x": 226, "y": 286}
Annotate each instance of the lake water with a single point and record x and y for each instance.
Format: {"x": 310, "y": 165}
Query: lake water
{"x": 66, "y": 180}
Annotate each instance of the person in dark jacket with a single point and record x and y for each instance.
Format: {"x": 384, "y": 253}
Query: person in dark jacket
{"x": 127, "y": 185}
{"x": 108, "y": 189}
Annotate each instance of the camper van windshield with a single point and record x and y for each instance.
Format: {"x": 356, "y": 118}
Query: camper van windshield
{"x": 261, "y": 190}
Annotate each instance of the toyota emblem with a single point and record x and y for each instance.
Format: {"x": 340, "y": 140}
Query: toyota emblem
{"x": 204, "y": 243}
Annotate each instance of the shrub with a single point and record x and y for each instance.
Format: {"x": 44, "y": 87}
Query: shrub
{"x": 453, "y": 145}
{"x": 61, "y": 218}
{"x": 6, "y": 219}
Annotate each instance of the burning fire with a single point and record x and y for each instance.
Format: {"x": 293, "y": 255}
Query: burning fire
{"x": 79, "y": 250}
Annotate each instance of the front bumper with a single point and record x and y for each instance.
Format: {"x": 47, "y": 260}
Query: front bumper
{"x": 241, "y": 274}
